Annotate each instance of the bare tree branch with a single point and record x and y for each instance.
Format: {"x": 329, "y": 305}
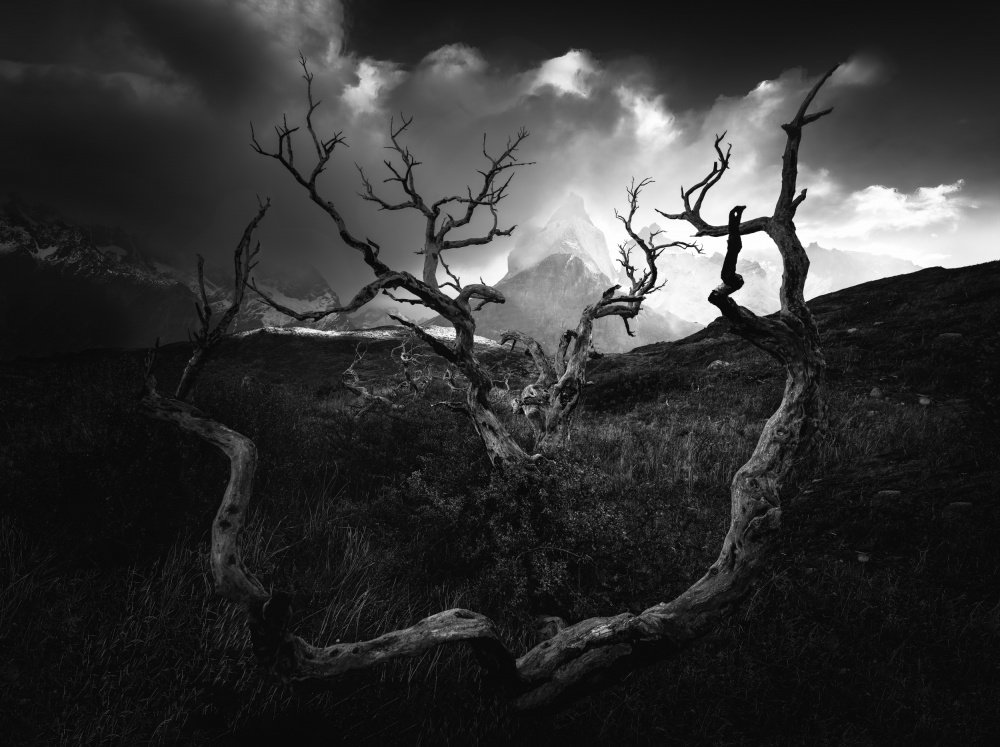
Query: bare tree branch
{"x": 762, "y": 332}
{"x": 692, "y": 213}
{"x": 405, "y": 179}
{"x": 550, "y": 402}
{"x": 787, "y": 202}
{"x": 206, "y": 338}
{"x": 352, "y": 383}
{"x": 546, "y": 371}
{"x": 324, "y": 150}
{"x": 385, "y": 281}
{"x": 490, "y": 194}
{"x": 426, "y": 289}
{"x": 441, "y": 348}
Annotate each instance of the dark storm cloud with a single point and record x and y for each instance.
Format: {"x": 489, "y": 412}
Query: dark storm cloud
{"x": 208, "y": 45}
{"x": 137, "y": 112}
{"x": 229, "y": 51}
{"x": 54, "y": 31}
{"x": 94, "y": 144}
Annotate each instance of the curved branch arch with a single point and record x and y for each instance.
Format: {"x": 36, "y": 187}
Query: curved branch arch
{"x": 596, "y": 651}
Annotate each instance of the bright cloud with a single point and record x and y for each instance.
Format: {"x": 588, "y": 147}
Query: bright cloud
{"x": 652, "y": 123}
{"x": 569, "y": 74}
{"x": 374, "y": 78}
{"x": 879, "y": 208}
{"x": 595, "y": 127}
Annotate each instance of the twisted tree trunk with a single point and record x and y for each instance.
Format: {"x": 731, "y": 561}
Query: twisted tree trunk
{"x": 596, "y": 651}
{"x": 576, "y": 660}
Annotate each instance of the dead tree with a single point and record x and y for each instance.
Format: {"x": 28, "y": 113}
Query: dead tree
{"x": 427, "y": 290}
{"x": 419, "y": 377}
{"x": 366, "y": 398}
{"x": 593, "y": 652}
{"x": 550, "y": 402}
{"x": 207, "y": 338}
{"x": 416, "y": 376}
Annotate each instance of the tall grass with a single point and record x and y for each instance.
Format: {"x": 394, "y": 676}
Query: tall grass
{"x": 112, "y": 634}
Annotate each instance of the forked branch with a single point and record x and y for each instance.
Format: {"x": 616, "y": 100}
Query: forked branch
{"x": 692, "y": 212}
{"x": 425, "y": 290}
{"x": 628, "y": 305}
{"x": 324, "y": 149}
{"x": 206, "y": 338}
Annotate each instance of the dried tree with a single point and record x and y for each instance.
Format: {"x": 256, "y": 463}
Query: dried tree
{"x": 419, "y": 376}
{"x": 366, "y": 398}
{"x": 427, "y": 290}
{"x": 581, "y": 657}
{"x": 206, "y": 338}
{"x": 550, "y": 402}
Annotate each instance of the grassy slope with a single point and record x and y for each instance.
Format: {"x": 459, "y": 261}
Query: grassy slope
{"x": 880, "y": 622}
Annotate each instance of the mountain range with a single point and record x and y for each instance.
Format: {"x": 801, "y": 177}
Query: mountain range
{"x": 67, "y": 287}
{"x": 690, "y": 276}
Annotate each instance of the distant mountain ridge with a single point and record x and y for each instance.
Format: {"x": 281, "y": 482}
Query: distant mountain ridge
{"x": 66, "y": 287}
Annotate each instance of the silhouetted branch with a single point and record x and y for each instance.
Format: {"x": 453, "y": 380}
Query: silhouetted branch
{"x": 426, "y": 290}
{"x": 206, "y": 338}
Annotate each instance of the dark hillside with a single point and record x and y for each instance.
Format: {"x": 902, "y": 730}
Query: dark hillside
{"x": 879, "y": 623}
{"x": 934, "y": 332}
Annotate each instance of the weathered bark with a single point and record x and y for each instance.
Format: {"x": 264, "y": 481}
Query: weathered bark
{"x": 551, "y": 402}
{"x": 427, "y": 290}
{"x": 499, "y": 443}
{"x": 415, "y": 379}
{"x": 596, "y": 651}
{"x": 533, "y": 401}
{"x": 232, "y": 580}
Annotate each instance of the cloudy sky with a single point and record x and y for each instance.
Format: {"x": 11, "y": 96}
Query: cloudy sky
{"x": 138, "y": 112}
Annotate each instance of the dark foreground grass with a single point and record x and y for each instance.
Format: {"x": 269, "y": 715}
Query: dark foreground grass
{"x": 878, "y": 623}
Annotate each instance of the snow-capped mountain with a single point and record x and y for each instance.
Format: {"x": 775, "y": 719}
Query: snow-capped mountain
{"x": 66, "y": 287}
{"x": 557, "y": 271}
{"x": 569, "y": 231}
{"x": 547, "y": 298}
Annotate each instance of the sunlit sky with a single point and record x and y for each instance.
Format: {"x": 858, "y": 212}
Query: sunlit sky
{"x": 137, "y": 112}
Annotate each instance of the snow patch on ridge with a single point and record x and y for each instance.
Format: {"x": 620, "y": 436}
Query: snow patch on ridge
{"x": 441, "y": 333}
